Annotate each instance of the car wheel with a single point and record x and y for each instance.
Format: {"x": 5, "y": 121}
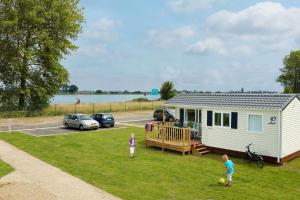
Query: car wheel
{"x": 171, "y": 119}
{"x": 156, "y": 118}
{"x": 81, "y": 127}
{"x": 100, "y": 125}
{"x": 112, "y": 125}
{"x": 66, "y": 125}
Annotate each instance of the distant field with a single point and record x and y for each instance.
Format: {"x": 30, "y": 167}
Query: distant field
{"x": 102, "y": 159}
{"x": 61, "y": 109}
{"x": 4, "y": 169}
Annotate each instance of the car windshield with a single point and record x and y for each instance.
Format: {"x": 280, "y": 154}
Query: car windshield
{"x": 84, "y": 117}
{"x": 105, "y": 116}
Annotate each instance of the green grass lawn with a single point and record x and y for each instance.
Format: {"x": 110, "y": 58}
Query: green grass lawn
{"x": 4, "y": 169}
{"x": 102, "y": 159}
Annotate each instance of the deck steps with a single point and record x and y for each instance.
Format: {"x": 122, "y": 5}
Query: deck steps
{"x": 199, "y": 150}
{"x": 204, "y": 152}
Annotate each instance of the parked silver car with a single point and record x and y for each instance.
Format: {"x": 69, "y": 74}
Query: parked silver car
{"x": 81, "y": 121}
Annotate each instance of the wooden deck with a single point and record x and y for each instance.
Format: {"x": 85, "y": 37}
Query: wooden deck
{"x": 169, "y": 137}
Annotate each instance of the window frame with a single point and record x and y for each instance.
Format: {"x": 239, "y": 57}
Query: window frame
{"x": 229, "y": 118}
{"x": 214, "y": 118}
{"x": 262, "y": 122}
{"x": 186, "y": 118}
{"x": 222, "y": 119}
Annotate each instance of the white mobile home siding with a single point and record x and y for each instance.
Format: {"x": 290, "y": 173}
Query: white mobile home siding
{"x": 265, "y": 143}
{"x": 291, "y": 128}
{"x": 177, "y": 113}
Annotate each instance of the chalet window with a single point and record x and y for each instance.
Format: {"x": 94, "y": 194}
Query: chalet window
{"x": 191, "y": 115}
{"x": 209, "y": 118}
{"x": 234, "y": 120}
{"x": 218, "y": 119}
{"x": 222, "y": 119}
{"x": 255, "y": 123}
{"x": 226, "y": 119}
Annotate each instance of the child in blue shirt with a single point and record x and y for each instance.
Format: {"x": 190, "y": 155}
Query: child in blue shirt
{"x": 229, "y": 169}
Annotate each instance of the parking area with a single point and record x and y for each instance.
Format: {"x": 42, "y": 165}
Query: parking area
{"x": 62, "y": 130}
{"x": 53, "y": 130}
{"x": 48, "y": 129}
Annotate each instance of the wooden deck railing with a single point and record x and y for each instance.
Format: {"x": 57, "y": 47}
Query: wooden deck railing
{"x": 169, "y": 134}
{"x": 170, "y": 124}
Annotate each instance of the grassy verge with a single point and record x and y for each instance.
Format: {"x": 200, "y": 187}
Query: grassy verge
{"x": 62, "y": 109}
{"x": 101, "y": 158}
{"x": 4, "y": 169}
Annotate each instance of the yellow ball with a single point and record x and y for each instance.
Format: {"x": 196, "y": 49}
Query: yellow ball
{"x": 221, "y": 180}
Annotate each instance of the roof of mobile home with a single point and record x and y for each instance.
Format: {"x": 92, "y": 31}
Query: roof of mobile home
{"x": 233, "y": 100}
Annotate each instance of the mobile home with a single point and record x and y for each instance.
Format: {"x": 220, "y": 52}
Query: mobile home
{"x": 229, "y": 122}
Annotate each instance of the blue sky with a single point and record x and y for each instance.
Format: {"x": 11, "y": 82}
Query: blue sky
{"x": 216, "y": 45}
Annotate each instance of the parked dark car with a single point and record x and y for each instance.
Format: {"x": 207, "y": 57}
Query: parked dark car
{"x": 104, "y": 119}
{"x": 169, "y": 115}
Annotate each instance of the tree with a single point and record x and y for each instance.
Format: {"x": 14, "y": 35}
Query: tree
{"x": 36, "y": 35}
{"x": 73, "y": 89}
{"x": 137, "y": 92}
{"x": 167, "y": 90}
{"x": 288, "y": 90}
{"x": 99, "y": 92}
{"x": 290, "y": 73}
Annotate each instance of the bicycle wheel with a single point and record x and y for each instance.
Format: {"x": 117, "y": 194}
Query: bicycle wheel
{"x": 260, "y": 163}
{"x": 247, "y": 159}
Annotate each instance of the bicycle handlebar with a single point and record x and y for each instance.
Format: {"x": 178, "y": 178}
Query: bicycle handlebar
{"x": 248, "y": 145}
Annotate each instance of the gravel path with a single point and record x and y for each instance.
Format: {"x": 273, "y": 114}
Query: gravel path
{"x": 34, "y": 179}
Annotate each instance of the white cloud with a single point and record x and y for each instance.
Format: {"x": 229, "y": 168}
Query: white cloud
{"x": 166, "y": 39}
{"x": 105, "y": 24}
{"x": 170, "y": 73}
{"x": 101, "y": 53}
{"x": 225, "y": 77}
{"x": 190, "y": 5}
{"x": 94, "y": 50}
{"x": 263, "y": 26}
{"x": 243, "y": 49}
{"x": 266, "y": 17}
{"x": 102, "y": 30}
{"x": 97, "y": 39}
{"x": 207, "y": 46}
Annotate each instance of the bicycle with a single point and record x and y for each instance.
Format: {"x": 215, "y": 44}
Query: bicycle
{"x": 253, "y": 157}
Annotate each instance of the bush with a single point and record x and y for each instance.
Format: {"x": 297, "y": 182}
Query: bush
{"x": 140, "y": 100}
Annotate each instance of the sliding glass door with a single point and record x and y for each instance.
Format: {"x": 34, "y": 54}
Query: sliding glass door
{"x": 193, "y": 120}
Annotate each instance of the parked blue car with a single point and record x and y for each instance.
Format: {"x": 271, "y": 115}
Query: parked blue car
{"x": 104, "y": 119}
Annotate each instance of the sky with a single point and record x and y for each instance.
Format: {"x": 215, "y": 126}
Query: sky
{"x": 203, "y": 45}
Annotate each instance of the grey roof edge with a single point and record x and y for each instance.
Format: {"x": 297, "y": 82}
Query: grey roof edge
{"x": 293, "y": 96}
{"x": 290, "y": 100}
{"x": 182, "y": 93}
{"x": 237, "y": 94}
{"x": 226, "y": 107}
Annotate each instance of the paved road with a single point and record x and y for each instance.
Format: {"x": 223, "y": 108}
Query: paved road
{"x": 57, "y": 127}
